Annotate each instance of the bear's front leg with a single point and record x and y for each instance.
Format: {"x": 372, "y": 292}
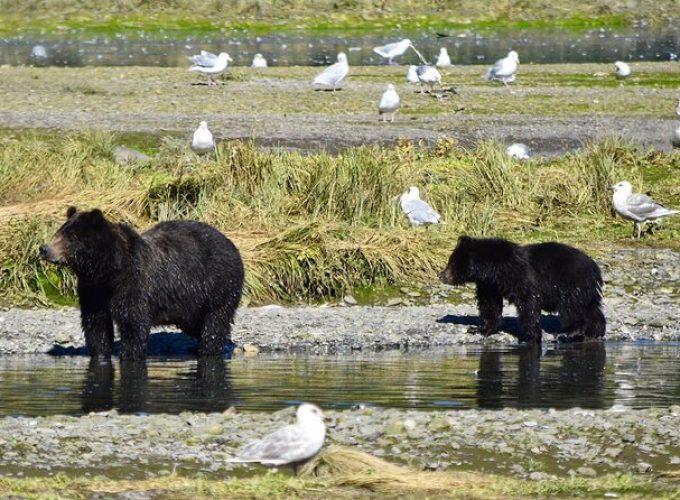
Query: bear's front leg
{"x": 95, "y": 319}
{"x": 134, "y": 327}
{"x": 490, "y": 305}
{"x": 529, "y": 315}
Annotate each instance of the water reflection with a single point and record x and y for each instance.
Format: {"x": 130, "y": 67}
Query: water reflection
{"x": 464, "y": 46}
{"x": 588, "y": 375}
{"x": 578, "y": 377}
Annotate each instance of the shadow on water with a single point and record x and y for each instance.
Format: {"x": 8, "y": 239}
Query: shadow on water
{"x": 550, "y": 323}
{"x": 587, "y": 375}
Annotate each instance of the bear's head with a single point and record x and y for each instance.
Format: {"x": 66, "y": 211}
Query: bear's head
{"x": 458, "y": 269}
{"x": 85, "y": 242}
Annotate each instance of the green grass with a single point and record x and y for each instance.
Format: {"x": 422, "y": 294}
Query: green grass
{"x": 341, "y": 472}
{"x": 315, "y": 226}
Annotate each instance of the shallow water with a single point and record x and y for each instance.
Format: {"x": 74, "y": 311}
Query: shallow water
{"x": 589, "y": 376}
{"x": 465, "y": 46}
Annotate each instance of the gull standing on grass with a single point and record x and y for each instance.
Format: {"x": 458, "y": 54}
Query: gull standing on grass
{"x": 389, "y": 103}
{"x": 210, "y": 65}
{"x": 392, "y": 50}
{"x": 292, "y": 444}
{"x": 334, "y": 73}
{"x": 637, "y": 207}
{"x": 504, "y": 70}
{"x": 428, "y": 75}
{"x": 417, "y": 210}
{"x": 443, "y": 58}
{"x": 202, "y": 142}
{"x": 519, "y": 151}
{"x": 412, "y": 74}
{"x": 622, "y": 70}
{"x": 259, "y": 61}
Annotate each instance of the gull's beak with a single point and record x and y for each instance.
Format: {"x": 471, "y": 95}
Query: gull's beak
{"x": 229, "y": 58}
{"x": 612, "y": 187}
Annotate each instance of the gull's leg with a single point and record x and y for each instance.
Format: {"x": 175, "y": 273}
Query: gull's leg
{"x": 636, "y": 230}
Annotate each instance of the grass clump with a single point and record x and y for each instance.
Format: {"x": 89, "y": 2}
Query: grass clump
{"x": 312, "y": 227}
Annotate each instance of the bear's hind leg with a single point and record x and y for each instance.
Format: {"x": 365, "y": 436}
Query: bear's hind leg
{"x": 595, "y": 323}
{"x": 215, "y": 332}
{"x": 490, "y": 305}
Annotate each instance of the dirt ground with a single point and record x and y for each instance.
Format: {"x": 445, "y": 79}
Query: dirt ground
{"x": 552, "y": 108}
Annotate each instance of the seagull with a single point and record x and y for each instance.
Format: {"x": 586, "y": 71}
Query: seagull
{"x": 202, "y": 143}
{"x": 210, "y": 65}
{"x": 519, "y": 151}
{"x": 675, "y": 138}
{"x": 334, "y": 73}
{"x": 412, "y": 74}
{"x": 428, "y": 75}
{"x": 259, "y": 61}
{"x": 291, "y": 444}
{"x": 418, "y": 211}
{"x": 637, "y": 207}
{"x": 389, "y": 103}
{"x": 443, "y": 59}
{"x": 622, "y": 70}
{"x": 504, "y": 69}
{"x": 39, "y": 52}
{"x": 392, "y": 50}
{"x": 677, "y": 109}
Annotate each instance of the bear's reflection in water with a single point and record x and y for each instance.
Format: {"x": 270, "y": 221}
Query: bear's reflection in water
{"x": 208, "y": 389}
{"x": 573, "y": 372}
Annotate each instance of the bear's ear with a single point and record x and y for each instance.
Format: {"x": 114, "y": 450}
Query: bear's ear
{"x": 70, "y": 212}
{"x": 464, "y": 240}
{"x": 97, "y": 214}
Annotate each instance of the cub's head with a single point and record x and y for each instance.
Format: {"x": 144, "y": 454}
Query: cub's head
{"x": 458, "y": 269}
{"x": 82, "y": 234}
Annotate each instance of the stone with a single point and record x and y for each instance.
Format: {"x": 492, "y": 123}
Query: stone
{"x": 586, "y": 471}
{"x": 643, "y": 467}
{"x": 349, "y": 300}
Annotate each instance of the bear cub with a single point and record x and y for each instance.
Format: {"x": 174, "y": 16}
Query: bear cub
{"x": 543, "y": 276}
{"x": 183, "y": 273}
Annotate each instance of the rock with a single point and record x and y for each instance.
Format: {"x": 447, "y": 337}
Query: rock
{"x": 586, "y": 471}
{"x": 394, "y": 301}
{"x": 539, "y": 476}
{"x": 643, "y": 467}
{"x": 250, "y": 349}
{"x": 628, "y": 438}
{"x": 126, "y": 156}
{"x": 62, "y": 338}
{"x": 349, "y": 300}
{"x": 215, "y": 430}
{"x": 439, "y": 423}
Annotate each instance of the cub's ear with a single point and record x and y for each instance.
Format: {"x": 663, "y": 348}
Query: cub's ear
{"x": 70, "y": 212}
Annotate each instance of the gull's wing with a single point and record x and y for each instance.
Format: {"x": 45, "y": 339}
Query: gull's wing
{"x": 204, "y": 59}
{"x": 332, "y": 74}
{"x": 643, "y": 206}
{"x": 420, "y": 212}
{"x": 503, "y": 67}
{"x": 387, "y": 49}
{"x": 286, "y": 445}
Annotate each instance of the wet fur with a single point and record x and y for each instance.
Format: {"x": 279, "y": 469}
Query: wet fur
{"x": 544, "y": 276}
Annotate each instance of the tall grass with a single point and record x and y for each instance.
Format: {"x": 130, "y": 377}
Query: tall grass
{"x": 315, "y": 226}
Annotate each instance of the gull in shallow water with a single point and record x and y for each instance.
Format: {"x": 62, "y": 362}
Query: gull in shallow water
{"x": 622, "y": 70}
{"x": 675, "y": 138}
{"x": 637, "y": 207}
{"x": 519, "y": 151}
{"x": 334, "y": 73}
{"x": 202, "y": 142}
{"x": 392, "y": 50}
{"x": 210, "y": 65}
{"x": 389, "y": 103}
{"x": 428, "y": 75}
{"x": 259, "y": 61}
{"x": 292, "y": 444}
{"x": 417, "y": 210}
{"x": 443, "y": 58}
{"x": 504, "y": 69}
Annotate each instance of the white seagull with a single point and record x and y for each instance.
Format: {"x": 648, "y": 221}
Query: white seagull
{"x": 675, "y": 137}
{"x": 291, "y": 444}
{"x": 519, "y": 151}
{"x": 677, "y": 109}
{"x": 202, "y": 142}
{"x": 622, "y": 70}
{"x": 210, "y": 65}
{"x": 443, "y": 59}
{"x": 392, "y": 50}
{"x": 504, "y": 69}
{"x": 428, "y": 75}
{"x": 637, "y": 207}
{"x": 389, "y": 103}
{"x": 412, "y": 74}
{"x": 334, "y": 73}
{"x": 259, "y": 61}
{"x": 417, "y": 210}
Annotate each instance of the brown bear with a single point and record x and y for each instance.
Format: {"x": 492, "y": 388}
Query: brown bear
{"x": 544, "y": 276}
{"x": 182, "y": 273}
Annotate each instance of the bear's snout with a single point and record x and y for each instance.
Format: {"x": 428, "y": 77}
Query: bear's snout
{"x": 43, "y": 251}
{"x": 52, "y": 253}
